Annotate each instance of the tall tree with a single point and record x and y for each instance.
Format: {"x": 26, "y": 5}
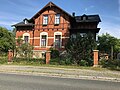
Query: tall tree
{"x": 81, "y": 47}
{"x": 7, "y": 40}
{"x": 108, "y": 44}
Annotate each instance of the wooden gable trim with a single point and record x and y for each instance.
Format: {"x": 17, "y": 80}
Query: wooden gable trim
{"x": 50, "y": 4}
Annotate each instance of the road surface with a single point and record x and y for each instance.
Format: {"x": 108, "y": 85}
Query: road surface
{"x": 29, "y": 82}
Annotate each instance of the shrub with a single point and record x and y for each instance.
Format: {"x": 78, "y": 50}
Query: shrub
{"x": 83, "y": 63}
{"x": 54, "y": 53}
{"x": 58, "y": 61}
{"x": 3, "y": 60}
{"x": 28, "y": 61}
{"x": 111, "y": 64}
{"x": 54, "y": 61}
{"x": 65, "y": 61}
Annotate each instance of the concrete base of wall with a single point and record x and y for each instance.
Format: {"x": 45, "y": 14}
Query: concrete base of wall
{"x": 10, "y": 62}
{"x": 96, "y": 65}
{"x": 39, "y": 54}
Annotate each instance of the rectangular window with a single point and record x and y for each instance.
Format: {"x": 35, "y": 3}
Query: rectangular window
{"x": 26, "y": 39}
{"x": 57, "y": 19}
{"x": 43, "y": 40}
{"x": 57, "y": 41}
{"x": 45, "y": 19}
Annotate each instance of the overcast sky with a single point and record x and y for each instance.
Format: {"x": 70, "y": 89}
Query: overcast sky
{"x": 14, "y": 11}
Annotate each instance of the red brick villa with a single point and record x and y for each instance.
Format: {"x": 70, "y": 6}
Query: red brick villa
{"x": 52, "y": 26}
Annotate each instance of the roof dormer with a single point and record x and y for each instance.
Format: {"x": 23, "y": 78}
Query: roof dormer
{"x": 25, "y": 21}
{"x": 84, "y": 17}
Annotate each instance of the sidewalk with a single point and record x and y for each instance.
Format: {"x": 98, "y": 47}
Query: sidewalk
{"x": 105, "y": 75}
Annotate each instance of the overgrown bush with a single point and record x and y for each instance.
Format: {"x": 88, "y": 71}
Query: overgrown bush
{"x": 61, "y": 61}
{"x": 83, "y": 63}
{"x": 54, "y": 53}
{"x": 3, "y": 60}
{"x": 111, "y": 64}
{"x": 54, "y": 61}
{"x": 27, "y": 61}
{"x": 66, "y": 61}
{"x": 23, "y": 49}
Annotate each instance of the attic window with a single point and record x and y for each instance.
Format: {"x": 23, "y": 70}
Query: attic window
{"x": 57, "y": 19}
{"x": 84, "y": 17}
{"x": 45, "y": 19}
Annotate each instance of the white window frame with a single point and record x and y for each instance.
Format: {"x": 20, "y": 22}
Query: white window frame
{"x": 58, "y": 33}
{"x": 57, "y": 19}
{"x": 26, "y": 34}
{"x": 44, "y": 33}
{"x": 45, "y": 19}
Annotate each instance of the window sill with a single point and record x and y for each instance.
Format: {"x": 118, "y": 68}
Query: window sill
{"x": 43, "y": 46}
{"x": 44, "y": 24}
{"x": 56, "y": 24}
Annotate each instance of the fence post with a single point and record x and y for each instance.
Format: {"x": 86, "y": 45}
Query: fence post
{"x": 48, "y": 57}
{"x": 95, "y": 52}
{"x": 10, "y": 56}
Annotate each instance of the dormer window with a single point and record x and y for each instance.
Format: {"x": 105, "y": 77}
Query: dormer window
{"x": 25, "y": 21}
{"x": 84, "y": 17}
{"x": 57, "y": 19}
{"x": 45, "y": 19}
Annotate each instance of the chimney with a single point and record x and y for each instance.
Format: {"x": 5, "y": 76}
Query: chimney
{"x": 73, "y": 14}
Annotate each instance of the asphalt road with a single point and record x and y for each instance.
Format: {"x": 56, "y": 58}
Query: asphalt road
{"x": 29, "y": 82}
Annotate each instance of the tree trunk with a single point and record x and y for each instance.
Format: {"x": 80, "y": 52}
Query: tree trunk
{"x": 112, "y": 52}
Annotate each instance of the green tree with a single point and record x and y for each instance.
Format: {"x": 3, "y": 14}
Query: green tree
{"x": 7, "y": 40}
{"x": 80, "y": 48}
{"x": 108, "y": 44}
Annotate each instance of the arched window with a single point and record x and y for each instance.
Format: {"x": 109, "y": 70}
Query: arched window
{"x": 57, "y": 39}
{"x": 26, "y": 37}
{"x": 43, "y": 39}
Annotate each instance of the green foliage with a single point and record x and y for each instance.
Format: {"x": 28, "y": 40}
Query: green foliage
{"x": 3, "y": 60}
{"x": 26, "y": 61}
{"x": 81, "y": 48}
{"x": 83, "y": 63}
{"x": 23, "y": 49}
{"x": 54, "y": 61}
{"x": 106, "y": 41}
{"x": 7, "y": 40}
{"x": 65, "y": 61}
{"x": 58, "y": 61}
{"x": 26, "y": 49}
{"x": 54, "y": 53}
{"x": 110, "y": 64}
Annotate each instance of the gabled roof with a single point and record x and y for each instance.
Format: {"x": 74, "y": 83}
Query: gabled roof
{"x": 50, "y": 4}
{"x": 89, "y": 18}
{"x": 78, "y": 19}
